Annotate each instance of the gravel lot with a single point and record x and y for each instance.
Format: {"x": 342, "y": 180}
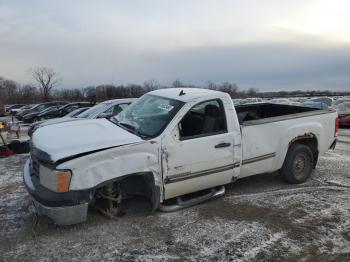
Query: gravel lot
{"x": 259, "y": 219}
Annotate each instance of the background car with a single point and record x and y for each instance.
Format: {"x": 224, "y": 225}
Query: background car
{"x": 107, "y": 108}
{"x": 12, "y": 107}
{"x": 32, "y": 117}
{"x": 340, "y": 101}
{"x": 14, "y": 111}
{"x": 76, "y": 112}
{"x": 343, "y": 110}
{"x": 62, "y": 111}
{"x": 313, "y": 104}
{"x": 326, "y": 100}
{"x": 38, "y": 108}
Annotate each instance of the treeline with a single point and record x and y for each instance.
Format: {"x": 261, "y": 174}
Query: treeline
{"x": 12, "y": 92}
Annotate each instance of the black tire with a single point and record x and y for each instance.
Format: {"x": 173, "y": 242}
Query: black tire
{"x": 298, "y": 164}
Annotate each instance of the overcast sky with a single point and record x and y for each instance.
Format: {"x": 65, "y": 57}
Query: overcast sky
{"x": 269, "y": 45}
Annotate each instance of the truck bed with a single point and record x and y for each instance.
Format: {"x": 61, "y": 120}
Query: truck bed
{"x": 265, "y": 112}
{"x": 267, "y": 130}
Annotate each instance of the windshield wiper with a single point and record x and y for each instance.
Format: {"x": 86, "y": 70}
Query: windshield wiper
{"x": 129, "y": 127}
{"x": 133, "y": 129}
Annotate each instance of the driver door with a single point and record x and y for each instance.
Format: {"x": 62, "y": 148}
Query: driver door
{"x": 199, "y": 154}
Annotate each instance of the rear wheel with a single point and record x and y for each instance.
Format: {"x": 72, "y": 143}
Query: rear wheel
{"x": 298, "y": 165}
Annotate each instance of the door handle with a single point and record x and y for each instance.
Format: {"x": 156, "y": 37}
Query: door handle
{"x": 222, "y": 145}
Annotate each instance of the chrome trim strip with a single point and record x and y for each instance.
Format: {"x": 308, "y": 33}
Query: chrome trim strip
{"x": 258, "y": 158}
{"x": 189, "y": 175}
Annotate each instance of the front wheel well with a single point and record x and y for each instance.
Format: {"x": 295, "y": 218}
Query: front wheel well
{"x": 311, "y": 142}
{"x": 133, "y": 185}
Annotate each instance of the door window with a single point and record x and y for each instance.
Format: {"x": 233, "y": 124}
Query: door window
{"x": 204, "y": 119}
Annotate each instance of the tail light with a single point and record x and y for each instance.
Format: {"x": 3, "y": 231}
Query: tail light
{"x": 336, "y": 131}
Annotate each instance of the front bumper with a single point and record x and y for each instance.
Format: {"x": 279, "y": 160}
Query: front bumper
{"x": 63, "y": 208}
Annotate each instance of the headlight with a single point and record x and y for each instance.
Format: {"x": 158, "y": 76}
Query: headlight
{"x": 55, "y": 180}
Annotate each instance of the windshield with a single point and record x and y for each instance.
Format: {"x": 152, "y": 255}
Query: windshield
{"x": 148, "y": 116}
{"x": 76, "y": 112}
{"x": 92, "y": 110}
{"x": 69, "y": 108}
{"x": 42, "y": 107}
{"x": 49, "y": 109}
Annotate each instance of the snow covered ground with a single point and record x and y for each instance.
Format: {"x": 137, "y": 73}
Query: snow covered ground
{"x": 259, "y": 219}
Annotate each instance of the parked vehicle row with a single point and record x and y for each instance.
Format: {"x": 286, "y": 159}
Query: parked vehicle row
{"x": 55, "y": 111}
{"x": 38, "y": 108}
{"x": 15, "y": 111}
{"x": 176, "y": 147}
{"x": 6, "y": 109}
{"x": 105, "y": 109}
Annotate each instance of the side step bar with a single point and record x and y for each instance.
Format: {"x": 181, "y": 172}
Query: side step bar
{"x": 180, "y": 203}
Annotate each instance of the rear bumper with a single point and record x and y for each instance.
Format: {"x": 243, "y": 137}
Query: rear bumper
{"x": 63, "y": 208}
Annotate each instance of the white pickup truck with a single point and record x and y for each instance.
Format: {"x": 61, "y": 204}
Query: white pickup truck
{"x": 176, "y": 147}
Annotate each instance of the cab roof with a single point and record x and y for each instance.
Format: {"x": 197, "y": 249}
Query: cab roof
{"x": 186, "y": 94}
{"x": 122, "y": 100}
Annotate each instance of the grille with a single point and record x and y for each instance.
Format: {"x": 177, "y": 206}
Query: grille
{"x": 35, "y": 167}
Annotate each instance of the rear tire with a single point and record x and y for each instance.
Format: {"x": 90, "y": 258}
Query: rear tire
{"x": 298, "y": 164}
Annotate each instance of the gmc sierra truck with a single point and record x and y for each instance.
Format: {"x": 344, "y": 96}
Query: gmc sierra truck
{"x": 176, "y": 147}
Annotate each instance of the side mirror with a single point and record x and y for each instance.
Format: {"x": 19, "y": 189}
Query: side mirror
{"x": 176, "y": 133}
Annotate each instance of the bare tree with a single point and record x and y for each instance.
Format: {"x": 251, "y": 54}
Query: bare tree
{"x": 151, "y": 85}
{"x": 178, "y": 83}
{"x": 47, "y": 79}
{"x": 9, "y": 89}
{"x": 231, "y": 89}
{"x": 252, "y": 92}
{"x": 211, "y": 85}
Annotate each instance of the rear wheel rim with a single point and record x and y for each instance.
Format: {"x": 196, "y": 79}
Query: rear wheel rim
{"x": 301, "y": 165}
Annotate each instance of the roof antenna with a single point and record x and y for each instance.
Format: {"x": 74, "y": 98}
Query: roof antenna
{"x": 182, "y": 93}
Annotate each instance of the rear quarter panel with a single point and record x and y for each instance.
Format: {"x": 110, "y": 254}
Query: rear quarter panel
{"x": 273, "y": 139}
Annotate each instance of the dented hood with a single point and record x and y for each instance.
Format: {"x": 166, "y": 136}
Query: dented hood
{"x": 67, "y": 139}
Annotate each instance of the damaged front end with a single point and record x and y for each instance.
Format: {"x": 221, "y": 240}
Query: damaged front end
{"x": 108, "y": 200}
{"x": 65, "y": 176}
{"x": 49, "y": 189}
{"x": 64, "y": 208}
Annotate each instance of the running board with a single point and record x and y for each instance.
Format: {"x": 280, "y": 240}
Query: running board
{"x": 193, "y": 201}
